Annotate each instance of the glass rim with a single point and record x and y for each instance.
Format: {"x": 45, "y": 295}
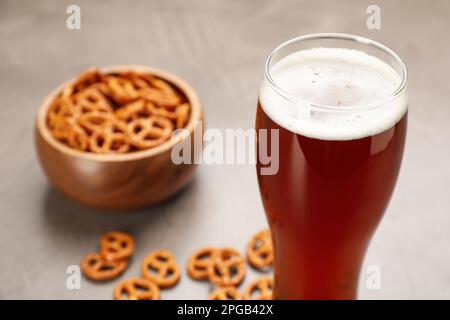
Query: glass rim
{"x": 338, "y": 36}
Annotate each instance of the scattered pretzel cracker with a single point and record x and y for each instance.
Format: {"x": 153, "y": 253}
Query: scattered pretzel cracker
{"x": 136, "y": 289}
{"x": 160, "y": 267}
{"x": 259, "y": 289}
{"x": 260, "y": 250}
{"x": 225, "y": 293}
{"x": 96, "y": 268}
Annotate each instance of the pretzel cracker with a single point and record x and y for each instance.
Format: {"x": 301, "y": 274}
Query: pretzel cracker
{"x": 89, "y": 113}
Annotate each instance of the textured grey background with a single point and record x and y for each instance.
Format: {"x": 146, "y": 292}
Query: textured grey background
{"x": 220, "y": 48}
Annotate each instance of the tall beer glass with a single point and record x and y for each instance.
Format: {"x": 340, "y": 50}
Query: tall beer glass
{"x": 339, "y": 105}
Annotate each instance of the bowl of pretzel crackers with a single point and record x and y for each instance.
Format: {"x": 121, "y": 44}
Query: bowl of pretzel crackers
{"x": 105, "y": 137}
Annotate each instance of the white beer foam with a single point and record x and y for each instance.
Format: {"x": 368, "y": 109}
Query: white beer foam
{"x": 335, "y": 77}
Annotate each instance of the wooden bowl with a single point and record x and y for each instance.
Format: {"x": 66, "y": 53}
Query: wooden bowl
{"x": 118, "y": 181}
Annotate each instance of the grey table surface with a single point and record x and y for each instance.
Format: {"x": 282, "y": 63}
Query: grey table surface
{"x": 219, "y": 47}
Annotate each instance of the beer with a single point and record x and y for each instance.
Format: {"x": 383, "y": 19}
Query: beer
{"x": 342, "y": 124}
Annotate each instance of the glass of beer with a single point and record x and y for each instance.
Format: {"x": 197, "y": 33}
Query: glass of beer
{"x": 337, "y": 106}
